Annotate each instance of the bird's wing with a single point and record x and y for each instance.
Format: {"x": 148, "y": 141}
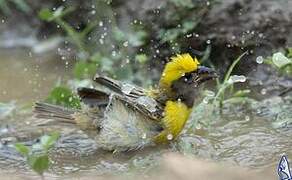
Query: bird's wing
{"x": 120, "y": 87}
{"x": 131, "y": 95}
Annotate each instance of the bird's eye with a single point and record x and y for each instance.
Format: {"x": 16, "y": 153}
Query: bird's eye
{"x": 187, "y": 78}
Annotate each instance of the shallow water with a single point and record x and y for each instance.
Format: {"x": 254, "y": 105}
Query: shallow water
{"x": 244, "y": 140}
{"x": 26, "y": 77}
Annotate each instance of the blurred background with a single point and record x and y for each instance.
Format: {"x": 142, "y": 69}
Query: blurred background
{"x": 49, "y": 48}
{"x": 132, "y": 40}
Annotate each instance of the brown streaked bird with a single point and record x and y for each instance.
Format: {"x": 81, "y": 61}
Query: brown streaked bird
{"x": 122, "y": 116}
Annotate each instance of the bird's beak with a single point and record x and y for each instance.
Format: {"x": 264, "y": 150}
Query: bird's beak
{"x": 205, "y": 74}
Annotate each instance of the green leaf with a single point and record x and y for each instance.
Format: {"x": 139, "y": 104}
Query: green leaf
{"x": 58, "y": 12}
{"x": 241, "y": 93}
{"x": 141, "y": 58}
{"x": 63, "y": 96}
{"x": 39, "y": 163}
{"x": 138, "y": 38}
{"x": 4, "y": 7}
{"x": 83, "y": 70}
{"x": 22, "y": 149}
{"x": 48, "y": 141}
{"x": 280, "y": 60}
{"x": 46, "y": 14}
{"x": 22, "y": 5}
{"x": 119, "y": 35}
{"x": 289, "y": 53}
{"x": 183, "y": 3}
{"x": 232, "y": 66}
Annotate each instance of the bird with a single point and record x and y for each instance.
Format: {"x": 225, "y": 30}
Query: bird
{"x": 122, "y": 116}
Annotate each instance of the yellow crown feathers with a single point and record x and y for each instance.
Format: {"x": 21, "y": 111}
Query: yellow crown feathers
{"x": 176, "y": 68}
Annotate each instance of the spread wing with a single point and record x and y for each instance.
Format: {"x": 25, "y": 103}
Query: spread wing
{"x": 134, "y": 96}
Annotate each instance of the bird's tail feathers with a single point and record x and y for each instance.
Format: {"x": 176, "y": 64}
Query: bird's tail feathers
{"x": 55, "y": 112}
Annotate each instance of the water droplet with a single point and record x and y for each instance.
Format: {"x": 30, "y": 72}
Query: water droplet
{"x": 101, "y": 41}
{"x": 260, "y": 59}
{"x": 100, "y": 23}
{"x": 247, "y": 118}
{"x": 206, "y": 100}
{"x": 189, "y": 35}
{"x": 144, "y": 136}
{"x": 198, "y": 126}
{"x": 209, "y": 93}
{"x": 169, "y": 137}
{"x": 237, "y": 78}
{"x": 264, "y": 91}
{"x": 126, "y": 43}
{"x": 93, "y": 12}
{"x": 208, "y": 41}
{"x": 261, "y": 35}
{"x": 259, "y": 111}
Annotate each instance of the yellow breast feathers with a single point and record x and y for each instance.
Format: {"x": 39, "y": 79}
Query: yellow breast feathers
{"x": 176, "y": 115}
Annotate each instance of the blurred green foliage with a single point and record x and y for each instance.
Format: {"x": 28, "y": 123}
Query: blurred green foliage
{"x": 180, "y": 21}
{"x": 63, "y": 96}
{"x": 6, "y": 5}
{"x": 125, "y": 52}
{"x": 88, "y": 59}
{"x": 37, "y": 156}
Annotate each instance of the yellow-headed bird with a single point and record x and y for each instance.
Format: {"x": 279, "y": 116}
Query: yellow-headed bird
{"x": 122, "y": 116}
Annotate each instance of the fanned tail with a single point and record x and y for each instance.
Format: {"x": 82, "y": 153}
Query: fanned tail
{"x": 49, "y": 111}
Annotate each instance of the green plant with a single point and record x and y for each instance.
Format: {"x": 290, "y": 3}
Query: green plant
{"x": 75, "y": 37}
{"x": 61, "y": 95}
{"x": 37, "y": 156}
{"x": 228, "y": 85}
{"x": 181, "y": 19}
{"x": 281, "y": 61}
{"x": 210, "y": 109}
{"x": 5, "y": 6}
{"x": 117, "y": 61}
